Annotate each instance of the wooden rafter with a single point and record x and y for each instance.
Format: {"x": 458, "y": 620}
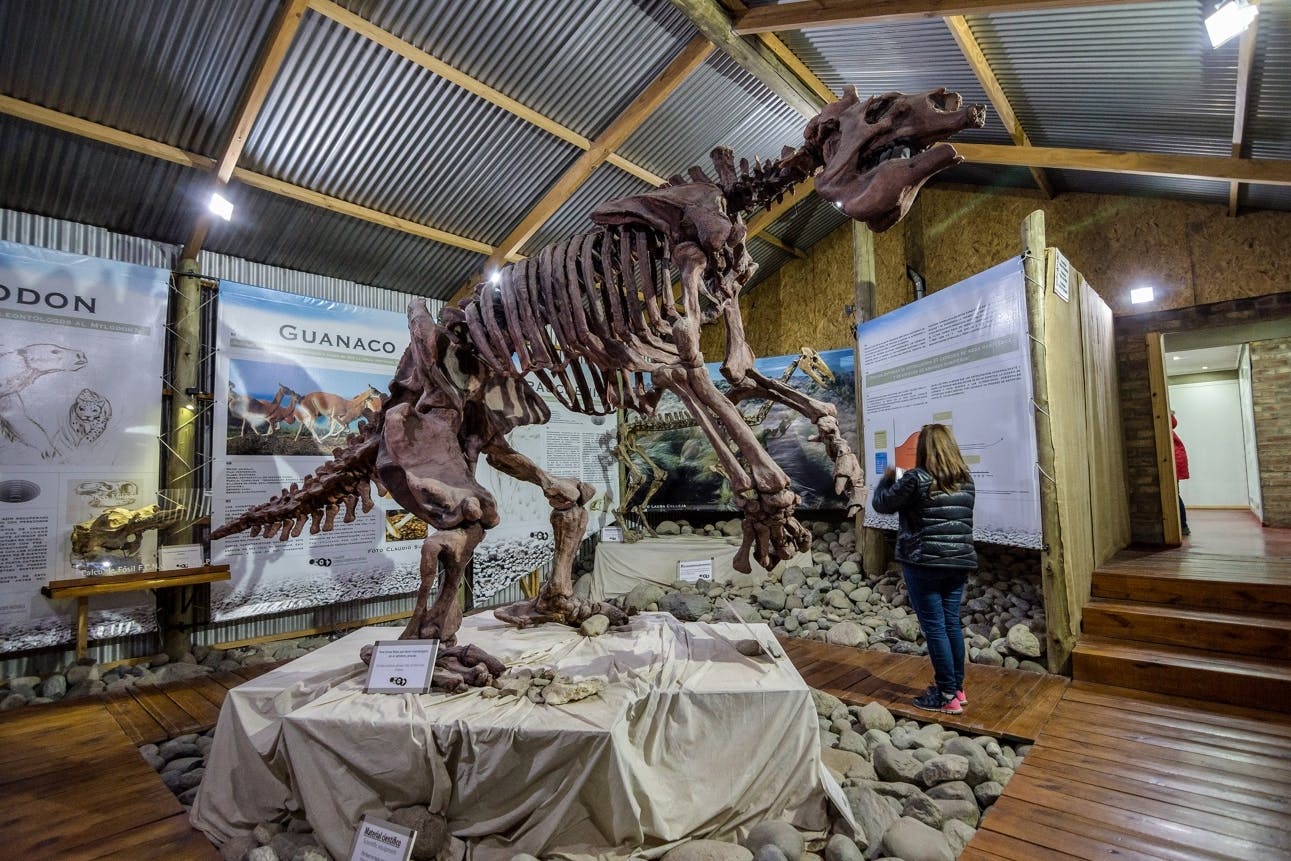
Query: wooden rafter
{"x": 642, "y": 107}
{"x": 156, "y": 149}
{"x": 268, "y": 63}
{"x": 1245, "y": 60}
{"x": 101, "y": 133}
{"x": 786, "y": 56}
{"x": 756, "y": 58}
{"x": 812, "y": 14}
{"x": 1258, "y": 171}
{"x": 976, "y": 58}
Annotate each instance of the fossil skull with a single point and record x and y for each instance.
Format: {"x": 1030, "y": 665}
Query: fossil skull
{"x": 879, "y": 152}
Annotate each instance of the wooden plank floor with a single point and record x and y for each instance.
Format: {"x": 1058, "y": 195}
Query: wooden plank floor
{"x": 75, "y": 787}
{"x": 1130, "y": 775}
{"x": 154, "y": 713}
{"x": 1010, "y": 704}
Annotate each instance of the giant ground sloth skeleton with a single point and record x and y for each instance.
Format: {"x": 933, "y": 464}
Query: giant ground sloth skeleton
{"x": 596, "y": 321}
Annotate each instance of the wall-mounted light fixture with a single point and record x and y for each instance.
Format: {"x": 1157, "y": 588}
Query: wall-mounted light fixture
{"x": 221, "y": 206}
{"x": 1139, "y": 295}
{"x": 1229, "y": 20}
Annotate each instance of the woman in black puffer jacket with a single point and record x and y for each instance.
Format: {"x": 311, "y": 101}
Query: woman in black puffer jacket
{"x": 935, "y": 547}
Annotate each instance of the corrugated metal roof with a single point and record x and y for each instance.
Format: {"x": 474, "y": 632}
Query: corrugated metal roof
{"x": 353, "y": 120}
{"x": 169, "y": 70}
{"x": 808, "y": 222}
{"x": 606, "y": 183}
{"x": 76, "y": 238}
{"x": 1268, "y": 129}
{"x": 565, "y": 60}
{"x": 1201, "y": 191}
{"x": 61, "y": 176}
{"x": 720, "y": 104}
{"x": 910, "y": 58}
{"x": 268, "y": 228}
{"x": 1266, "y": 197}
{"x": 1138, "y": 77}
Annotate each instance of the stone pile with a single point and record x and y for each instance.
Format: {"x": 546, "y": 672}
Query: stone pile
{"x": 85, "y": 677}
{"x": 834, "y": 601}
{"x": 916, "y": 791}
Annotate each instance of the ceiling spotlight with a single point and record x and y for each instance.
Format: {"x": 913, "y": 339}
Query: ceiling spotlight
{"x": 1139, "y": 295}
{"x": 496, "y": 278}
{"x": 221, "y": 206}
{"x": 1205, "y": 367}
{"x": 1176, "y": 358}
{"x": 1229, "y": 20}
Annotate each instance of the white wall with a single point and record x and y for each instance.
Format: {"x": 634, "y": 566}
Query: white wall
{"x": 1210, "y": 425}
{"x": 1254, "y": 498}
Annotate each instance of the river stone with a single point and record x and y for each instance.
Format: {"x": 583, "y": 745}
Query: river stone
{"x": 312, "y": 852}
{"x": 642, "y": 596}
{"x": 828, "y": 706}
{"x": 287, "y": 844}
{"x": 842, "y": 848}
{"x": 956, "y": 789}
{"x": 594, "y": 625}
{"x": 176, "y": 748}
{"x": 944, "y": 769}
{"x": 838, "y": 599}
{"x": 903, "y": 737}
{"x": 686, "y": 607}
{"x": 431, "y": 828}
{"x": 923, "y": 754}
{"x": 924, "y": 809}
{"x": 895, "y": 765}
{"x": 81, "y": 673}
{"x": 793, "y": 578}
{"x": 852, "y": 741}
{"x": 1032, "y": 667}
{"x": 979, "y": 763}
{"x": 262, "y": 853}
{"x": 846, "y": 633}
{"x": 708, "y": 850}
{"x": 668, "y": 527}
{"x": 769, "y": 852}
{"x": 989, "y": 657}
{"x": 872, "y": 813}
{"x": 236, "y": 848}
{"x": 772, "y": 597}
{"x": 840, "y": 762}
{"x": 911, "y": 839}
{"x": 1001, "y": 774}
{"x": 54, "y": 687}
{"x": 1022, "y": 642}
{"x": 955, "y": 808}
{"x": 958, "y": 834}
{"x": 781, "y": 835}
{"x": 731, "y": 528}
{"x": 987, "y": 793}
{"x": 181, "y": 764}
{"x": 849, "y": 569}
{"x": 875, "y": 716}
{"x": 907, "y": 629}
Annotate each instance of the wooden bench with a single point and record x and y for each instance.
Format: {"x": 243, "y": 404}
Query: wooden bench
{"x": 82, "y": 588}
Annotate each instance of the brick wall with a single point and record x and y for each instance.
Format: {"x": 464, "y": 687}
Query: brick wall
{"x": 1136, "y": 400}
{"x": 1271, "y": 395}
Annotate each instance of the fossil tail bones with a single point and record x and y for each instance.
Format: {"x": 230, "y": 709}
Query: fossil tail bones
{"x": 595, "y": 320}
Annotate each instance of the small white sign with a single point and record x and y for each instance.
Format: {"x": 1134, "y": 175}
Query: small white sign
{"x": 178, "y": 556}
{"x": 695, "y": 570}
{"x": 401, "y": 666}
{"x": 1062, "y": 277}
{"x": 611, "y": 534}
{"x": 378, "y": 840}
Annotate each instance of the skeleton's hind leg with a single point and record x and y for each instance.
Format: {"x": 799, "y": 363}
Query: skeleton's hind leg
{"x": 567, "y": 496}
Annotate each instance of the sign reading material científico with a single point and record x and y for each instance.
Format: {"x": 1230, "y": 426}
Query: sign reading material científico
{"x": 378, "y": 840}
{"x": 401, "y": 666}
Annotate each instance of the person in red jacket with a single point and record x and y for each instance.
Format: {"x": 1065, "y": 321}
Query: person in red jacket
{"x": 1180, "y": 469}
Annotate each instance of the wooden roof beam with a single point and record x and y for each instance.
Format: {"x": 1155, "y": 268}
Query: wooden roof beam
{"x": 281, "y": 33}
{"x": 976, "y": 58}
{"x": 642, "y": 107}
{"x": 756, "y": 58}
{"x": 144, "y": 146}
{"x": 1245, "y": 60}
{"x": 1229, "y": 169}
{"x": 813, "y": 14}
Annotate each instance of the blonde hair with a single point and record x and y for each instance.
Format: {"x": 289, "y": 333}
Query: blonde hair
{"x": 938, "y": 455}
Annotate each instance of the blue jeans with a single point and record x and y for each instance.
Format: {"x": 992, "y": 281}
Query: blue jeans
{"x": 936, "y": 594}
